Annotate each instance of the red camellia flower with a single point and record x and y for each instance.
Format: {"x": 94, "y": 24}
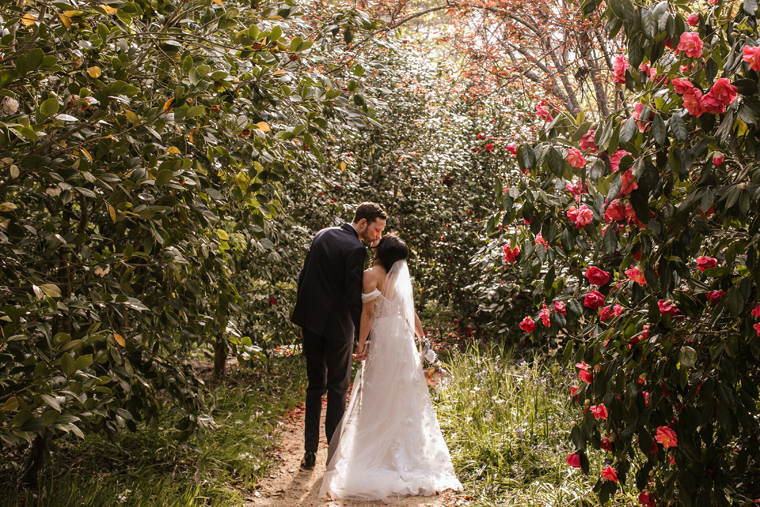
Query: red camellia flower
{"x": 510, "y": 255}
{"x": 714, "y": 296}
{"x": 607, "y": 444}
{"x": 527, "y": 325}
{"x": 691, "y": 44}
{"x": 561, "y": 307}
{"x": 574, "y": 460}
{"x": 593, "y": 300}
{"x": 605, "y": 313}
{"x": 667, "y": 437}
{"x": 541, "y": 241}
{"x": 481, "y": 135}
{"x": 724, "y": 91}
{"x": 706, "y": 263}
{"x": 575, "y": 158}
{"x": 544, "y": 316}
{"x": 511, "y": 148}
{"x": 668, "y": 308}
{"x": 629, "y": 184}
{"x": 712, "y": 104}
{"x": 581, "y": 217}
{"x": 620, "y": 65}
{"x": 573, "y": 390}
{"x": 693, "y": 20}
{"x": 636, "y": 275}
{"x": 585, "y": 371}
{"x": 489, "y": 147}
{"x": 755, "y": 310}
{"x": 692, "y": 101}
{"x": 752, "y": 57}
{"x": 575, "y": 188}
{"x": 718, "y": 159}
{"x": 600, "y": 412}
{"x": 542, "y": 112}
{"x": 610, "y": 474}
{"x": 597, "y": 276}
{"x": 587, "y": 141}
{"x": 615, "y": 211}
{"x": 645, "y": 497}
{"x": 757, "y": 328}
{"x": 617, "y": 310}
{"x": 682, "y": 86}
{"x": 272, "y": 301}
{"x": 615, "y": 159}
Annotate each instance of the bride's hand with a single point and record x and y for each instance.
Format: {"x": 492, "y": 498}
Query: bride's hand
{"x": 361, "y": 352}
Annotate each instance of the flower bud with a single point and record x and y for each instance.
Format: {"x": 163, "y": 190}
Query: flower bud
{"x": 10, "y": 105}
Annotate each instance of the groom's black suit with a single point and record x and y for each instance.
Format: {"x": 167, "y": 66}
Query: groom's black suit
{"x": 328, "y": 308}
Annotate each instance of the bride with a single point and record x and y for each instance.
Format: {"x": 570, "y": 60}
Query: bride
{"x": 389, "y": 443}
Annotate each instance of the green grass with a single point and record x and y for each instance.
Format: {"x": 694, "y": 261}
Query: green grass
{"x": 507, "y": 425}
{"x": 150, "y": 467}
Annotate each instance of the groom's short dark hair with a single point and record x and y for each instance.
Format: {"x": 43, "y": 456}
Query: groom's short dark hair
{"x": 369, "y": 211}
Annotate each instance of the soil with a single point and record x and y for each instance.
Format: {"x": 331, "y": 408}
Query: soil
{"x": 289, "y": 485}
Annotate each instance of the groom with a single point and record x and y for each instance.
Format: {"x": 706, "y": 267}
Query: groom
{"x": 328, "y": 308}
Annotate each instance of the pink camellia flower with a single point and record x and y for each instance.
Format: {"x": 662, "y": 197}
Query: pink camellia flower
{"x": 615, "y": 211}
{"x": 573, "y": 390}
{"x": 636, "y": 275}
{"x": 541, "y": 241}
{"x": 593, "y": 300}
{"x": 544, "y": 316}
{"x": 712, "y": 104}
{"x": 757, "y": 328}
{"x": 666, "y": 437}
{"x": 607, "y": 444}
{"x": 620, "y": 65}
{"x": 580, "y": 217}
{"x": 682, "y": 86}
{"x": 597, "y": 276}
{"x": 605, "y": 313}
{"x": 585, "y": 371}
{"x": 615, "y": 159}
{"x": 510, "y": 255}
{"x": 575, "y": 188}
{"x": 668, "y": 308}
{"x": 617, "y": 310}
{"x": 692, "y": 101}
{"x": 489, "y": 147}
{"x": 724, "y": 91}
{"x": 714, "y": 296}
{"x": 693, "y": 20}
{"x": 561, "y": 307}
{"x": 574, "y": 460}
{"x": 610, "y": 474}
{"x": 511, "y": 148}
{"x": 706, "y": 263}
{"x": 629, "y": 183}
{"x": 691, "y": 44}
{"x": 542, "y": 112}
{"x": 643, "y": 122}
{"x": 587, "y": 141}
{"x": 600, "y": 412}
{"x": 527, "y": 325}
{"x": 575, "y": 158}
{"x": 755, "y": 311}
{"x": 645, "y": 497}
{"x": 752, "y": 57}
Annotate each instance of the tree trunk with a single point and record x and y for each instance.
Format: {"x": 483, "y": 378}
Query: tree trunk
{"x": 35, "y": 461}
{"x": 220, "y": 357}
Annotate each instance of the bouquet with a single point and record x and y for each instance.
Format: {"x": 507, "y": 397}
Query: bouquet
{"x": 432, "y": 368}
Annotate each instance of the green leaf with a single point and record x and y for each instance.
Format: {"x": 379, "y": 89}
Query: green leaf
{"x": 51, "y": 290}
{"x": 610, "y": 241}
{"x": 68, "y": 365}
{"x": 555, "y": 161}
{"x": 623, "y": 9}
{"x": 348, "y": 35}
{"x": 648, "y": 24}
{"x": 164, "y": 176}
{"x": 83, "y": 362}
{"x": 52, "y": 401}
{"x": 615, "y": 186}
{"x": 526, "y": 157}
{"x": 276, "y": 33}
{"x": 295, "y": 44}
{"x": 195, "y": 111}
{"x": 678, "y": 127}
{"x": 687, "y": 357}
{"x": 659, "y": 130}
{"x": 34, "y": 59}
{"x": 628, "y": 130}
{"x": 49, "y": 107}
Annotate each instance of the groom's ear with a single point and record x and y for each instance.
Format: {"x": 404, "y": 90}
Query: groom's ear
{"x": 361, "y": 224}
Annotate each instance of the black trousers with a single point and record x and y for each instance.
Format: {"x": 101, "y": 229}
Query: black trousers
{"x": 328, "y": 368}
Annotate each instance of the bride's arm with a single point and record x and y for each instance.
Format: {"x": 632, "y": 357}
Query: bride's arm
{"x": 369, "y": 284}
{"x": 418, "y": 327}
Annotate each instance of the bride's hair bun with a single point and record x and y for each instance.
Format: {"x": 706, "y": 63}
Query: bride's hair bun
{"x": 391, "y": 249}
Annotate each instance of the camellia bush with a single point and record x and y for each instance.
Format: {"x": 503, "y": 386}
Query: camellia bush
{"x": 643, "y": 244}
{"x": 143, "y": 149}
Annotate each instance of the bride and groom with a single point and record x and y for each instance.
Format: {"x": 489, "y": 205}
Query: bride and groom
{"x": 388, "y": 443}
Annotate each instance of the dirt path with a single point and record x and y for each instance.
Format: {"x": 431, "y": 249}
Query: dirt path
{"x": 290, "y": 486}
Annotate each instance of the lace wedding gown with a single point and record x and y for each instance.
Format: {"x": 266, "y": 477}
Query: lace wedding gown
{"x": 389, "y": 443}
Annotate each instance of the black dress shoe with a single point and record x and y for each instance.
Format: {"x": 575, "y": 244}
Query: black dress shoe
{"x": 309, "y": 460}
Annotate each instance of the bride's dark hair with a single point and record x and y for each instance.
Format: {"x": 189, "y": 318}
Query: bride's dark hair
{"x": 390, "y": 249}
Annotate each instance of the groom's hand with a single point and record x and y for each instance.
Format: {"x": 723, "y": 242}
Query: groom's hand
{"x": 361, "y": 352}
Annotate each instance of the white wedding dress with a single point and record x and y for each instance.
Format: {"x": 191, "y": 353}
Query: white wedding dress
{"x": 389, "y": 443}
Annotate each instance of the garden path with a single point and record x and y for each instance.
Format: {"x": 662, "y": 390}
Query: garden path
{"x": 289, "y": 486}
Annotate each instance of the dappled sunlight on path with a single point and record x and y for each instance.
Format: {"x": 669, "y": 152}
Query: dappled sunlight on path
{"x": 289, "y": 485}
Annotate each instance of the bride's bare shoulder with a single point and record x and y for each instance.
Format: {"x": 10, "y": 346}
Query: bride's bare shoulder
{"x": 373, "y": 279}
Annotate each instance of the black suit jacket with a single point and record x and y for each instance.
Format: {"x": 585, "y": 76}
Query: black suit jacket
{"x": 329, "y": 301}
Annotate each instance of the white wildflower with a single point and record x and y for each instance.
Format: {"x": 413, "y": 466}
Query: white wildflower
{"x": 10, "y": 105}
